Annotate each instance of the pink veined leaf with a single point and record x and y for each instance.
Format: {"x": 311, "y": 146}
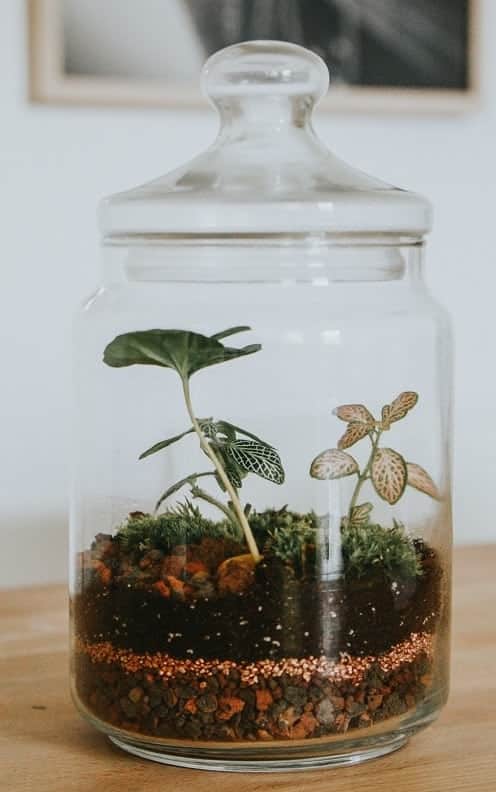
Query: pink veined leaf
{"x": 389, "y": 474}
{"x": 360, "y": 514}
{"x": 354, "y": 433}
{"x": 354, "y": 412}
{"x": 400, "y": 406}
{"x": 385, "y": 419}
{"x": 333, "y": 464}
{"x": 419, "y": 478}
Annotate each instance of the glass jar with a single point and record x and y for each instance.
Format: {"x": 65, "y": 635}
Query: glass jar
{"x": 261, "y": 517}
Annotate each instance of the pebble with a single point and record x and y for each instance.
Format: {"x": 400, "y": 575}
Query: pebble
{"x": 136, "y": 694}
{"x": 221, "y": 704}
{"x": 263, "y": 698}
{"x": 325, "y": 712}
{"x": 207, "y": 703}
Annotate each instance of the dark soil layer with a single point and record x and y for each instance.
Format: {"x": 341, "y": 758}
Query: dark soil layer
{"x": 277, "y": 615}
{"x": 223, "y": 707}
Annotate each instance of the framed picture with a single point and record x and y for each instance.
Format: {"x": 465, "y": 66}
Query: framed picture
{"x": 398, "y": 55}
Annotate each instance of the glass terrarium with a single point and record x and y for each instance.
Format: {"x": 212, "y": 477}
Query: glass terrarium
{"x": 261, "y": 516}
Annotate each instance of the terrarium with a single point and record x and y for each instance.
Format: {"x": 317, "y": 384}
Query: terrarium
{"x": 261, "y": 530}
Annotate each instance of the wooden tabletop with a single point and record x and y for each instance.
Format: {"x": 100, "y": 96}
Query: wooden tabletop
{"x": 46, "y": 747}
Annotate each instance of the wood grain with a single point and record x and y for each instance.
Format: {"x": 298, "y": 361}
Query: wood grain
{"x": 46, "y": 747}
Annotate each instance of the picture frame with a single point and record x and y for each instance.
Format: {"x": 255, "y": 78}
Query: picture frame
{"x": 49, "y": 83}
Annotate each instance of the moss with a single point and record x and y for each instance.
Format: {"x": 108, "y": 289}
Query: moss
{"x": 287, "y": 535}
{"x": 369, "y": 551}
{"x": 180, "y": 526}
{"x": 372, "y": 550}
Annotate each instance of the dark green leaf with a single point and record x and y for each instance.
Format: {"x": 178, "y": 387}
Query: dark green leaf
{"x": 231, "y": 331}
{"x": 209, "y": 428}
{"x": 234, "y": 473}
{"x": 164, "y": 443}
{"x": 181, "y": 350}
{"x": 258, "y": 458}
{"x": 229, "y": 429}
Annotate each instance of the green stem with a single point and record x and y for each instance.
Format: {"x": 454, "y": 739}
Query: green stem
{"x": 197, "y": 492}
{"x": 189, "y": 480}
{"x": 208, "y": 450}
{"x": 364, "y": 475}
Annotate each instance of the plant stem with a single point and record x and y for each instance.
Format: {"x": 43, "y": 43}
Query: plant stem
{"x": 197, "y": 492}
{"x": 208, "y": 450}
{"x": 189, "y": 480}
{"x": 364, "y": 475}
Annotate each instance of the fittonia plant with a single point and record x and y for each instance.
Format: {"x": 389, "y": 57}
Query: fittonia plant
{"x": 385, "y": 468}
{"x": 233, "y": 452}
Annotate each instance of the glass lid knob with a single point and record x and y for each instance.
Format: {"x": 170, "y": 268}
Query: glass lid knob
{"x": 264, "y": 68}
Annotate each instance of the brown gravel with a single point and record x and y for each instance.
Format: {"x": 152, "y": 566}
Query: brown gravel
{"x": 291, "y": 699}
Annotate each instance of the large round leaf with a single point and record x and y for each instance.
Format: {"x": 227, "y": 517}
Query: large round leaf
{"x": 389, "y": 474}
{"x": 181, "y": 350}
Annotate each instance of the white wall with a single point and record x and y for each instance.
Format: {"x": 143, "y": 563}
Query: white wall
{"x": 55, "y": 163}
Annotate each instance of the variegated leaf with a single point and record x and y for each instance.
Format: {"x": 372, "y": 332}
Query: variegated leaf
{"x": 401, "y": 405}
{"x": 389, "y": 474}
{"x": 385, "y": 419}
{"x": 360, "y": 514}
{"x": 233, "y": 472}
{"x": 354, "y": 412}
{"x": 354, "y": 433}
{"x": 419, "y": 478}
{"x": 208, "y": 427}
{"x": 333, "y": 464}
{"x": 258, "y": 458}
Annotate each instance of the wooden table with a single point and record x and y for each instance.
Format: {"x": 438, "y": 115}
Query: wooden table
{"x": 46, "y": 747}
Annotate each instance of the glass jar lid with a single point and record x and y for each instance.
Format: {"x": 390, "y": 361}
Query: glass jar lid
{"x": 267, "y": 172}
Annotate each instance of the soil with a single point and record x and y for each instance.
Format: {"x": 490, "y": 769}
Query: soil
{"x": 202, "y": 644}
{"x": 278, "y": 615}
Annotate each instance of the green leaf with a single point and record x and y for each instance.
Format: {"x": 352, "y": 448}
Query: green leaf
{"x": 181, "y": 350}
{"x": 231, "y": 331}
{"x": 234, "y": 473}
{"x": 209, "y": 428}
{"x": 180, "y": 484}
{"x": 164, "y": 443}
{"x": 258, "y": 458}
{"x": 230, "y": 431}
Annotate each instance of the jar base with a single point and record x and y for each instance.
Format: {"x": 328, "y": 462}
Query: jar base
{"x": 201, "y": 760}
